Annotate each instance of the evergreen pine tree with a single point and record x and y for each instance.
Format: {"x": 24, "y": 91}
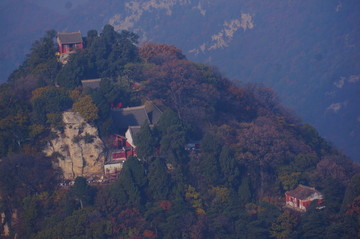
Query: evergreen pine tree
{"x": 159, "y": 184}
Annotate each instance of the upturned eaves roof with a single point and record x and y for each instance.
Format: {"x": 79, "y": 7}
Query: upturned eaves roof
{"x": 69, "y": 37}
{"x": 132, "y": 116}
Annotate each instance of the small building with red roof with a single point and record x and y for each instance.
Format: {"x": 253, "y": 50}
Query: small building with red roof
{"x": 301, "y": 197}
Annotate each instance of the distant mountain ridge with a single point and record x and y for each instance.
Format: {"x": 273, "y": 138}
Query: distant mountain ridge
{"x": 307, "y": 51}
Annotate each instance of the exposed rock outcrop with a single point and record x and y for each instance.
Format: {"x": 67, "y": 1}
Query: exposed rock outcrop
{"x": 78, "y": 151}
{"x": 8, "y": 223}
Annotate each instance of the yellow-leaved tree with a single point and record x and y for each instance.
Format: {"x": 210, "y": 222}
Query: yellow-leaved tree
{"x": 86, "y": 108}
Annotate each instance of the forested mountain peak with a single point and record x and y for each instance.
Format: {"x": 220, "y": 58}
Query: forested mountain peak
{"x": 251, "y": 150}
{"x": 306, "y": 50}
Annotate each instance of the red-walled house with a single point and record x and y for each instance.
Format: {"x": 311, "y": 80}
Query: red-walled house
{"x": 121, "y": 149}
{"x": 122, "y": 154}
{"x": 69, "y": 42}
{"x": 301, "y": 197}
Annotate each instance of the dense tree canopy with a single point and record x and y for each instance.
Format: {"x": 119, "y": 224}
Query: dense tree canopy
{"x": 41, "y": 61}
{"x": 86, "y": 108}
{"x": 105, "y": 56}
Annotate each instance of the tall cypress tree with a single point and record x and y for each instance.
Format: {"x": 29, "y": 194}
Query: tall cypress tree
{"x": 133, "y": 180}
{"x": 145, "y": 142}
{"x": 230, "y": 170}
{"x": 211, "y": 148}
{"x": 159, "y": 184}
{"x": 83, "y": 192}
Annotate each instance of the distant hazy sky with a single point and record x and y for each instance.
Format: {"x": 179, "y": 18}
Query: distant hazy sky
{"x": 60, "y": 6}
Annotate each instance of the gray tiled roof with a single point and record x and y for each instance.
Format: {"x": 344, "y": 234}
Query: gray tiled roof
{"x": 114, "y": 162}
{"x": 131, "y": 116}
{"x": 91, "y": 83}
{"x": 69, "y": 37}
{"x": 302, "y": 192}
{"x": 153, "y": 111}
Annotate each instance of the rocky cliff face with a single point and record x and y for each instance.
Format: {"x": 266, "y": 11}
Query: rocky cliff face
{"x": 78, "y": 151}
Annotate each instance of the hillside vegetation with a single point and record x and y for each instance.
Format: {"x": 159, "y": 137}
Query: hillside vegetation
{"x": 306, "y": 50}
{"x": 252, "y": 150}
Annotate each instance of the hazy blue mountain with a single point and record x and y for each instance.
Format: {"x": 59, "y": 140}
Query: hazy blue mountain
{"x": 307, "y": 50}
{"x": 21, "y": 23}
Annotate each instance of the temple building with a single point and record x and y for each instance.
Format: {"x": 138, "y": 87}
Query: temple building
{"x": 69, "y": 42}
{"x": 301, "y": 197}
